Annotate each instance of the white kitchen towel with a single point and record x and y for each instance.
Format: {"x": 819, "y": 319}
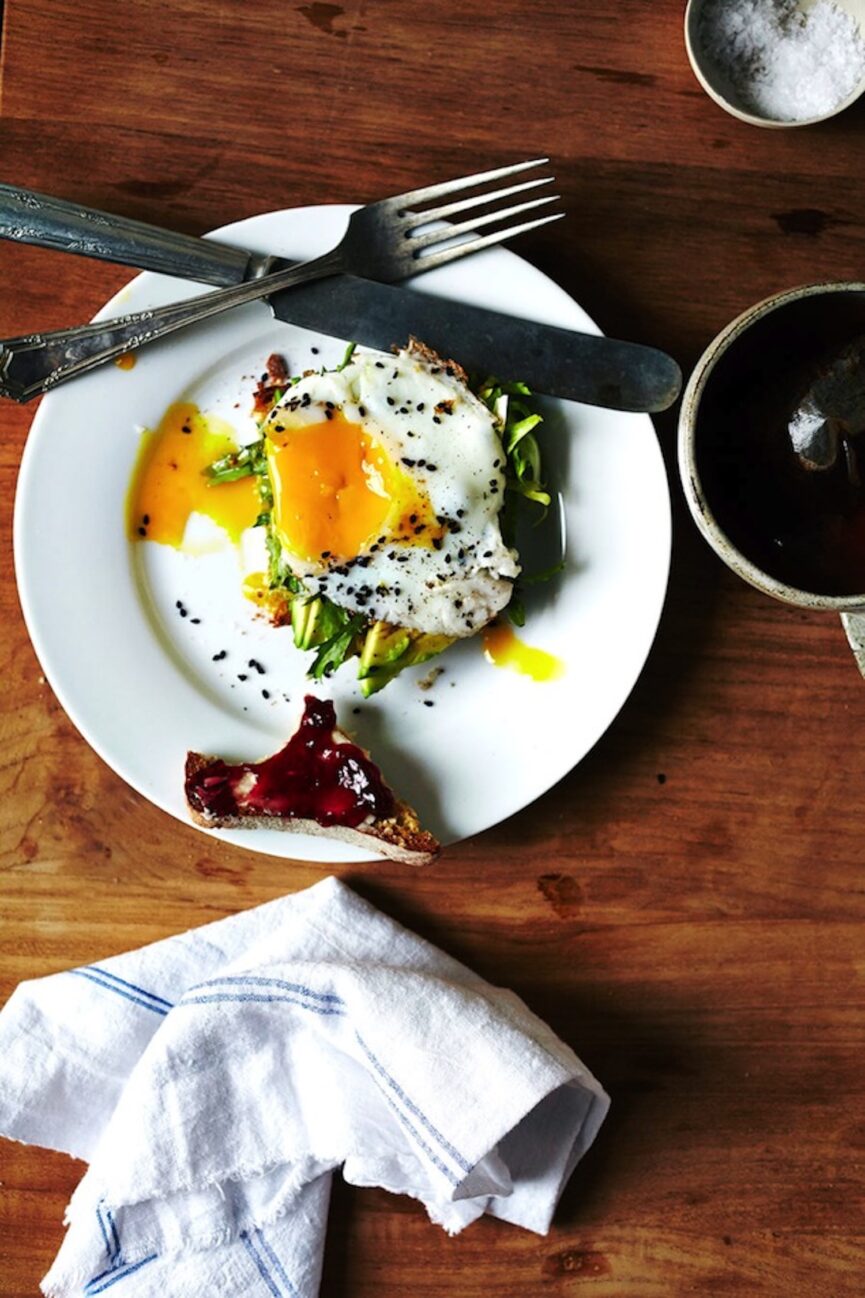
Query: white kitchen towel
{"x": 214, "y": 1080}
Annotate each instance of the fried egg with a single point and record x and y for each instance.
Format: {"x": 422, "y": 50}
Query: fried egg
{"x": 388, "y": 480}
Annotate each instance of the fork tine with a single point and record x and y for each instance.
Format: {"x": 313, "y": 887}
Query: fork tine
{"x": 463, "y": 204}
{"x": 428, "y": 260}
{"x": 466, "y": 227}
{"x": 403, "y": 201}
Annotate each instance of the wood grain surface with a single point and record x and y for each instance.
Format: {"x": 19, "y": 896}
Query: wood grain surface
{"x": 685, "y": 908}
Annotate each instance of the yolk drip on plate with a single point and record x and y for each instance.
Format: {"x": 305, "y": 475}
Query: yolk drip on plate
{"x": 169, "y": 483}
{"x": 336, "y": 492}
{"x": 504, "y": 649}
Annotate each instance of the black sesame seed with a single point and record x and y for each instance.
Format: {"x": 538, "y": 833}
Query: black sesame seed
{"x": 436, "y": 419}
{"x": 265, "y": 694}
{"x": 314, "y": 351}
{"x": 428, "y": 703}
{"x": 196, "y": 621}
{"x": 142, "y": 531}
{"x": 390, "y": 401}
{"x": 256, "y": 666}
{"x": 217, "y": 658}
{"x": 421, "y": 405}
{"x": 361, "y": 410}
{"x": 328, "y": 414}
{"x": 379, "y": 365}
{"x": 145, "y": 518}
{"x": 437, "y": 543}
{"x": 241, "y": 676}
{"x": 432, "y": 468}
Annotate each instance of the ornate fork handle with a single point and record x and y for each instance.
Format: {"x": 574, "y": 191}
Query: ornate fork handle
{"x": 36, "y": 363}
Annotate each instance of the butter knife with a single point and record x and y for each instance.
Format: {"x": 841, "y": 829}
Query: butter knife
{"x": 559, "y": 362}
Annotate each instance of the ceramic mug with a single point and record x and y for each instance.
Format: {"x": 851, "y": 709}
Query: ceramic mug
{"x": 851, "y": 607}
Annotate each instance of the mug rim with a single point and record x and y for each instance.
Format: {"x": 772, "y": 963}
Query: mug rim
{"x": 701, "y": 512}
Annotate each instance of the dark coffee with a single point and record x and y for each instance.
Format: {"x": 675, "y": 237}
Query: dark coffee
{"x": 799, "y": 517}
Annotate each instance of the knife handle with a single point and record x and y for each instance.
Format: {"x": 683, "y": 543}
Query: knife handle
{"x": 28, "y": 217}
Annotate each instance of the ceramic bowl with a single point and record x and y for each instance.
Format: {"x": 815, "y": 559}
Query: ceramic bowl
{"x": 714, "y": 84}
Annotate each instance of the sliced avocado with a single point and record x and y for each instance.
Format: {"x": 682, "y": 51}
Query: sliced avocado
{"x": 420, "y": 647}
{"x": 305, "y": 616}
{"x": 427, "y": 646}
{"x": 383, "y": 645}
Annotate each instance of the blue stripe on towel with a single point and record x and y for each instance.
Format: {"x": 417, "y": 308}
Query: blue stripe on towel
{"x": 275, "y": 1262}
{"x": 109, "y": 1253}
{"x": 261, "y": 981}
{"x": 260, "y": 1265}
{"x": 114, "y": 1276}
{"x": 115, "y": 1237}
{"x": 105, "y": 973}
{"x": 118, "y": 991}
{"x": 214, "y": 997}
{"x": 412, "y": 1107}
{"x": 415, "y": 1134}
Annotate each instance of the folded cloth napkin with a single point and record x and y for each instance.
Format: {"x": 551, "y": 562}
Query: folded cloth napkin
{"x": 214, "y": 1080}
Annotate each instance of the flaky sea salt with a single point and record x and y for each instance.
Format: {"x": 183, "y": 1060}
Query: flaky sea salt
{"x": 774, "y": 60}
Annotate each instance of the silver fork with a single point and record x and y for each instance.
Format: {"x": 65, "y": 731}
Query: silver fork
{"x": 385, "y": 241}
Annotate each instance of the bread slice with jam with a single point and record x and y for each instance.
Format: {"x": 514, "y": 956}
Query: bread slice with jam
{"x": 319, "y": 783}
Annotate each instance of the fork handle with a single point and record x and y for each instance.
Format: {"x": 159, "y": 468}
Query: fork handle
{"x": 35, "y": 363}
{"x": 28, "y": 217}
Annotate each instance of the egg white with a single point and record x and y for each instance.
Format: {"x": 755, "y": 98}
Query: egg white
{"x": 446, "y": 441}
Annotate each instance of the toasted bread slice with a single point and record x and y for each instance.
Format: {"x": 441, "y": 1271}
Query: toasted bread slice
{"x": 300, "y": 790}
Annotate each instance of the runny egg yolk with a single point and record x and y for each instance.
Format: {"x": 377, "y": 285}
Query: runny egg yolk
{"x": 169, "y": 483}
{"x": 504, "y": 649}
{"x": 336, "y": 492}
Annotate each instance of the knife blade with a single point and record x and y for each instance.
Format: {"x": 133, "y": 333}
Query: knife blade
{"x": 559, "y": 362}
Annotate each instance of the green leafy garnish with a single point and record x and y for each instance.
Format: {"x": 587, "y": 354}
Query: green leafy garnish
{"x": 333, "y": 652}
{"x": 517, "y": 423}
{"x": 244, "y": 463}
{"x": 349, "y": 352}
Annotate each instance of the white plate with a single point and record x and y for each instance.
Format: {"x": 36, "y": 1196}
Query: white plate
{"x": 139, "y": 681}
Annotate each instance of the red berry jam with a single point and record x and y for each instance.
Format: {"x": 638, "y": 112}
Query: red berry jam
{"x": 314, "y": 777}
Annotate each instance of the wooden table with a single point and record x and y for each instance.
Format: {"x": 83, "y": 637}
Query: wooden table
{"x": 685, "y": 907}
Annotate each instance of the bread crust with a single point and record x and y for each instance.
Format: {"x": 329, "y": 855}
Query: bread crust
{"x": 417, "y": 348}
